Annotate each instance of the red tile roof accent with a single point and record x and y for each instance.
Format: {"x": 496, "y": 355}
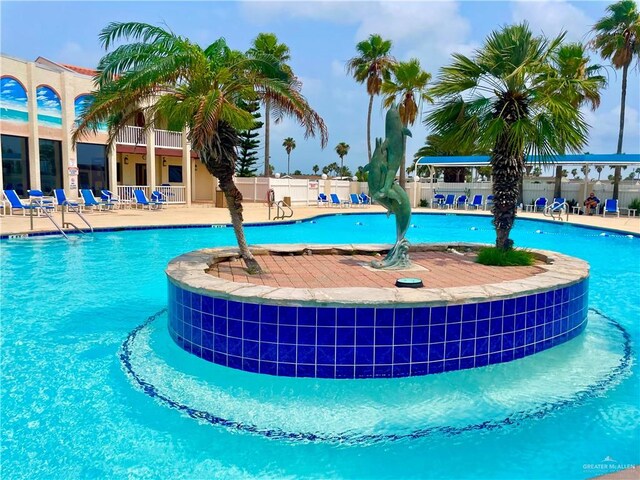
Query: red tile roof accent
{"x": 82, "y": 70}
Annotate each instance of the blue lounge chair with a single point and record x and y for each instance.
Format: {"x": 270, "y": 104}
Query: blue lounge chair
{"x": 437, "y": 200}
{"x": 36, "y": 196}
{"x": 489, "y": 202}
{"x": 336, "y": 202}
{"x": 108, "y": 197}
{"x": 449, "y": 201}
{"x": 461, "y": 201}
{"x": 365, "y": 199}
{"x": 90, "y": 200}
{"x": 610, "y": 206}
{"x": 322, "y": 200}
{"x": 62, "y": 201}
{"x": 355, "y": 199}
{"x": 16, "y": 204}
{"x": 142, "y": 200}
{"x": 476, "y": 202}
{"x": 159, "y": 198}
{"x": 540, "y": 204}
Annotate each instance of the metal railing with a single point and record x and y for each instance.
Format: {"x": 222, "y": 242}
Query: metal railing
{"x": 173, "y": 194}
{"x": 131, "y": 136}
{"x": 168, "y": 139}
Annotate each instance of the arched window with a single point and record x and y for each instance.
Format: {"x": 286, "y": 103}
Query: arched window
{"x": 49, "y": 107}
{"x": 13, "y": 101}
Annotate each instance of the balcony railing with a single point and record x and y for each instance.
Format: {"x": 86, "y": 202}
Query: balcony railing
{"x": 174, "y": 194}
{"x": 130, "y": 135}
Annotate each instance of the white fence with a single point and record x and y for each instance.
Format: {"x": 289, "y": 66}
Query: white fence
{"x": 131, "y": 136}
{"x": 301, "y": 191}
{"x": 167, "y": 139}
{"x": 172, "y": 194}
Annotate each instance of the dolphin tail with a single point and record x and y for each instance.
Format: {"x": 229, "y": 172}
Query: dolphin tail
{"x": 407, "y": 132}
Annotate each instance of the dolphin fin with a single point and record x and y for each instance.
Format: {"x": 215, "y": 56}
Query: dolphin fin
{"x": 407, "y": 132}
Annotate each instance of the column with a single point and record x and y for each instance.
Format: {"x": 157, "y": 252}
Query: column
{"x": 186, "y": 167}
{"x": 34, "y": 139}
{"x": 112, "y": 166}
{"x": 151, "y": 157}
{"x": 68, "y": 119}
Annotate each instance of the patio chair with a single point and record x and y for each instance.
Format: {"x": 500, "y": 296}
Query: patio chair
{"x": 90, "y": 201}
{"x": 437, "y": 200}
{"x": 142, "y": 200}
{"x": 540, "y": 204}
{"x": 488, "y": 202}
{"x": 461, "y": 201}
{"x": 62, "y": 201}
{"x": 336, "y": 202}
{"x": 159, "y": 198}
{"x": 322, "y": 200}
{"x": 37, "y": 196}
{"x": 476, "y": 202}
{"x": 109, "y": 197}
{"x": 355, "y": 199}
{"x": 365, "y": 199}
{"x": 16, "y": 204}
{"x": 449, "y": 201}
{"x": 611, "y": 206}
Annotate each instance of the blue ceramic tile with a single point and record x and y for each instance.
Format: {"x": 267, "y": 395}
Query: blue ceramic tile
{"x": 234, "y": 328}
{"x": 220, "y": 358}
{"x": 482, "y": 345}
{"x": 220, "y": 307}
{"x": 481, "y": 360}
{"x": 383, "y": 371}
{"x": 307, "y": 316}
{"x": 207, "y": 354}
{"x": 306, "y": 335}
{"x": 269, "y": 352}
{"x": 438, "y": 315}
{"x": 402, "y": 335}
{"x": 401, "y": 370}
{"x": 345, "y": 356}
{"x": 306, "y": 354}
{"x": 420, "y": 335}
{"x": 327, "y": 317}
{"x": 364, "y": 371}
{"x": 452, "y": 350}
{"x": 207, "y": 340}
{"x": 326, "y": 355}
{"x": 234, "y": 362}
{"x": 196, "y": 350}
{"x": 454, "y": 313}
{"x": 186, "y": 315}
{"x": 529, "y": 336}
{"x": 402, "y": 354}
{"x": 548, "y": 330}
{"x": 346, "y": 317}
{"x": 469, "y": 330}
{"x": 364, "y": 355}
{"x": 196, "y": 301}
{"x": 220, "y": 325}
{"x": 383, "y": 355}
{"x": 467, "y": 348}
{"x": 507, "y": 356}
{"x": 305, "y": 370}
{"x": 346, "y": 336}
{"x": 484, "y": 310}
{"x": 326, "y": 336}
{"x": 436, "y": 367}
{"x": 287, "y": 353}
{"x": 521, "y": 305}
{"x": 495, "y": 358}
{"x": 251, "y": 330}
{"x": 325, "y": 371}
{"x": 520, "y": 321}
{"x": 287, "y": 334}
{"x": 384, "y": 336}
{"x": 549, "y": 299}
{"x": 365, "y": 317}
{"x": 287, "y": 315}
{"x": 234, "y": 346}
{"x": 469, "y": 312}
{"x": 250, "y": 365}
{"x": 497, "y": 308}
{"x": 268, "y": 314}
{"x": 436, "y": 351}
{"x": 343, "y": 371}
{"x": 403, "y": 317}
{"x": 250, "y": 349}
{"x": 419, "y": 353}
{"x": 419, "y": 368}
{"x": 495, "y": 326}
{"x": 468, "y": 362}
{"x": 364, "y": 336}
{"x": 453, "y": 331}
{"x": 508, "y": 341}
{"x": 268, "y": 332}
{"x": 234, "y": 310}
{"x": 495, "y": 343}
{"x": 251, "y": 311}
{"x": 384, "y": 317}
{"x": 519, "y": 338}
{"x": 421, "y": 316}
{"x": 509, "y": 306}
{"x": 286, "y": 369}
{"x": 436, "y": 333}
{"x": 483, "y": 328}
{"x": 540, "y": 316}
{"x": 207, "y": 322}
{"x": 508, "y": 323}
{"x": 207, "y": 304}
{"x": 451, "y": 365}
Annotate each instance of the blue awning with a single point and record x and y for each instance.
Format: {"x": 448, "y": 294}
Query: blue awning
{"x": 579, "y": 159}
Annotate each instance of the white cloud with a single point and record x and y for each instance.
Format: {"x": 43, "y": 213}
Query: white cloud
{"x": 338, "y": 68}
{"x": 552, "y": 17}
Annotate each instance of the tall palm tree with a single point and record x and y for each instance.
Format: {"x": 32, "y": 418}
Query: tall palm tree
{"x": 289, "y": 144}
{"x": 342, "y": 149}
{"x": 267, "y": 44}
{"x": 617, "y": 37}
{"x": 407, "y": 88}
{"x": 506, "y": 99}
{"x": 372, "y": 66}
{"x": 168, "y": 76}
{"x": 315, "y": 169}
{"x": 579, "y": 82}
{"x": 599, "y": 169}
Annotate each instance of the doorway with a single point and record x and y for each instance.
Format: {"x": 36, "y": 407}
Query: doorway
{"x": 141, "y": 174}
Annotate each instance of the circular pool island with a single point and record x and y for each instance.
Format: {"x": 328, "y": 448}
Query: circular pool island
{"x": 321, "y": 311}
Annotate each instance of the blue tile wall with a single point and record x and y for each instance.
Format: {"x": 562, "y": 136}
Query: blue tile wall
{"x": 366, "y": 342}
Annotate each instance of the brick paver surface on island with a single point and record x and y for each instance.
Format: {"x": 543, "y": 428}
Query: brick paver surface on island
{"x": 442, "y": 270}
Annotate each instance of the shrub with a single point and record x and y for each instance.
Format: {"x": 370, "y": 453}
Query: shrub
{"x": 424, "y": 203}
{"x": 635, "y": 205}
{"x": 504, "y": 258}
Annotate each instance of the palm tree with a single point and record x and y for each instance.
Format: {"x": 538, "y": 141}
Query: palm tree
{"x": 289, "y": 144}
{"x": 574, "y": 172}
{"x": 505, "y": 99}
{"x": 167, "y": 76}
{"x": 267, "y": 44}
{"x": 599, "y": 170}
{"x": 407, "y": 88}
{"x": 617, "y": 37}
{"x": 572, "y": 63}
{"x": 372, "y": 65}
{"x": 342, "y": 149}
{"x": 315, "y": 169}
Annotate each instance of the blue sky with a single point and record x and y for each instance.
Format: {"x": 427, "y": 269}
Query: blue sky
{"x": 322, "y": 37}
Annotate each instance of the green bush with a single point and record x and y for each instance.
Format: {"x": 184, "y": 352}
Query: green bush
{"x": 504, "y": 258}
{"x": 424, "y": 203}
{"x": 635, "y": 204}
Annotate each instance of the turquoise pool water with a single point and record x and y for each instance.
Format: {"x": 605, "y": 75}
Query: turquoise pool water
{"x": 70, "y": 411}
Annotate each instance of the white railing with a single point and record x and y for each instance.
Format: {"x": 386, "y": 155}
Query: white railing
{"x": 131, "y": 136}
{"x": 125, "y": 192}
{"x": 168, "y": 139}
{"x": 174, "y": 194}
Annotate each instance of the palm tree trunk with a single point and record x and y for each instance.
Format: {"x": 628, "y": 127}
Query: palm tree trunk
{"x": 369, "y": 126}
{"x": 617, "y": 173}
{"x": 288, "y": 164}
{"x": 267, "y": 115}
{"x": 507, "y": 172}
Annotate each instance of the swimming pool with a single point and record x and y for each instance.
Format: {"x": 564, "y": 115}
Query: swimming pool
{"x": 69, "y": 410}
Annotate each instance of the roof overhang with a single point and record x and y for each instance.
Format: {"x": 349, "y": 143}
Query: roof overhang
{"x": 579, "y": 159}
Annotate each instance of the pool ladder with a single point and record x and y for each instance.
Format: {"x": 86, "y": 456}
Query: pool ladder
{"x": 555, "y": 211}
{"x": 44, "y": 208}
{"x": 281, "y": 210}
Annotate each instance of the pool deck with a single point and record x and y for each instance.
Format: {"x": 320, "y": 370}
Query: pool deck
{"x": 207, "y": 214}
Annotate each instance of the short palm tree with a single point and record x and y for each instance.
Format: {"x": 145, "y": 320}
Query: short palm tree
{"x": 167, "y": 76}
{"x": 372, "y": 65}
{"x": 617, "y": 37}
{"x": 342, "y": 149}
{"x": 505, "y": 98}
{"x": 315, "y": 169}
{"x": 267, "y": 44}
{"x": 289, "y": 145}
{"x": 407, "y": 88}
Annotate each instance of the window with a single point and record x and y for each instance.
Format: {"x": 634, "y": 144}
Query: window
{"x": 50, "y": 165}
{"x": 15, "y": 164}
{"x": 175, "y": 174}
{"x": 92, "y": 167}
